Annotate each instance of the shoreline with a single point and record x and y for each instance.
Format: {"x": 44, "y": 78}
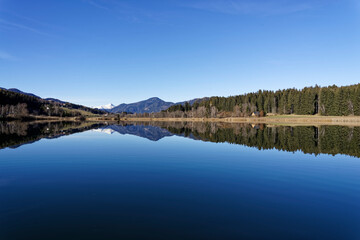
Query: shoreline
{"x": 289, "y": 120}
{"x": 274, "y": 120}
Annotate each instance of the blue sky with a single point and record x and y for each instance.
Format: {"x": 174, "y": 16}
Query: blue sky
{"x": 96, "y": 52}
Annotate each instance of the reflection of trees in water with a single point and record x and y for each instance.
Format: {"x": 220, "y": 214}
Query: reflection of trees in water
{"x": 14, "y": 134}
{"x": 308, "y": 139}
{"x": 9, "y": 128}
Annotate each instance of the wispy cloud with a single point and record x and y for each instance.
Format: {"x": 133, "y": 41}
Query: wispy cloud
{"x": 130, "y": 11}
{"x": 258, "y": 7}
{"x": 27, "y": 19}
{"x": 21, "y": 27}
{"x": 7, "y": 57}
{"x": 111, "y": 6}
{"x": 97, "y": 5}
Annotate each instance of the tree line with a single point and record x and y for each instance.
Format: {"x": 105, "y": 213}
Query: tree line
{"x": 326, "y": 101}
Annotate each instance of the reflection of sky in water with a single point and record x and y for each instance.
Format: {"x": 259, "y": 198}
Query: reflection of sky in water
{"x": 96, "y": 185}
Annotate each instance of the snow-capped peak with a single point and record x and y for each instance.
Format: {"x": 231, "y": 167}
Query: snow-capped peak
{"x": 108, "y": 106}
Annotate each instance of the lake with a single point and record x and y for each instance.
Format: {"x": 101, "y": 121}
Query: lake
{"x": 178, "y": 181}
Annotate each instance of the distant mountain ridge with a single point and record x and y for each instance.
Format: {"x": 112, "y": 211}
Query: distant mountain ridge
{"x": 55, "y": 100}
{"x": 33, "y": 95}
{"x": 150, "y": 105}
{"x": 21, "y": 92}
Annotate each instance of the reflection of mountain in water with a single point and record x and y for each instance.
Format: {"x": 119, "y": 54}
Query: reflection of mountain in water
{"x": 150, "y": 132}
{"x": 308, "y": 139}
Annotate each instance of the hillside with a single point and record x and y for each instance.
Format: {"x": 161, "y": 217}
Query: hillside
{"x": 17, "y": 104}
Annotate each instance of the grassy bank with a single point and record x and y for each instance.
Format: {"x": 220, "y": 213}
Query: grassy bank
{"x": 276, "y": 120}
{"x": 303, "y": 120}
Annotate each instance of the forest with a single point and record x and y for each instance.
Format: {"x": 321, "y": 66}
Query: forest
{"x": 325, "y": 101}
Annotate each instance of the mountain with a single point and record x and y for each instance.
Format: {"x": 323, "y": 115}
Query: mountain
{"x": 150, "y": 105}
{"x": 105, "y": 107}
{"x": 147, "y": 106}
{"x": 192, "y": 101}
{"x": 15, "y": 90}
{"x": 55, "y": 100}
{"x": 21, "y": 92}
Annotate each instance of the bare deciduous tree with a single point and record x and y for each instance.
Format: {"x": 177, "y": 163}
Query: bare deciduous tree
{"x": 213, "y": 112}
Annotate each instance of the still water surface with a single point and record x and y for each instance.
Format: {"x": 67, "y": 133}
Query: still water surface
{"x": 160, "y": 182}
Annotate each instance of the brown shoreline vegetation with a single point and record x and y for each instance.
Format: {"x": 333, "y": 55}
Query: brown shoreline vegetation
{"x": 288, "y": 120}
{"x": 275, "y": 120}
